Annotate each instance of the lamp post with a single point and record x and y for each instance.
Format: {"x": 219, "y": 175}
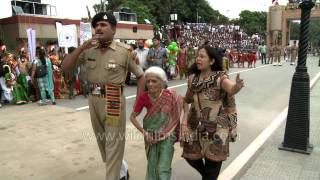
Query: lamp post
{"x": 237, "y": 28}
{"x": 296, "y": 137}
{"x": 174, "y": 18}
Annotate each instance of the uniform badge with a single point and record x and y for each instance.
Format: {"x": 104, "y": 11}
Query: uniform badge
{"x": 105, "y": 17}
{"x": 111, "y": 64}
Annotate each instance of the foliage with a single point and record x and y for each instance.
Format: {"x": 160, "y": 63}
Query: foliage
{"x": 143, "y": 12}
{"x": 294, "y": 30}
{"x": 158, "y": 11}
{"x": 253, "y": 21}
{"x": 107, "y": 5}
{"x": 314, "y": 31}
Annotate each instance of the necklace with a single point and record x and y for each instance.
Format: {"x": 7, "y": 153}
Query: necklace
{"x": 155, "y": 98}
{"x": 205, "y": 75}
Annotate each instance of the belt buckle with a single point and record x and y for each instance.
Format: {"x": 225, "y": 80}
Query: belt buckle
{"x": 96, "y": 91}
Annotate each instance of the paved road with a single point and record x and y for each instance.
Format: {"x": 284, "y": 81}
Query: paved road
{"x": 56, "y": 142}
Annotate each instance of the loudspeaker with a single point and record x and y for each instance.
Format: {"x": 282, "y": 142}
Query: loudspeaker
{"x": 135, "y": 29}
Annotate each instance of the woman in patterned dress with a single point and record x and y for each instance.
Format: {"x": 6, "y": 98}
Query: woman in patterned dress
{"x": 45, "y": 83}
{"x": 211, "y": 122}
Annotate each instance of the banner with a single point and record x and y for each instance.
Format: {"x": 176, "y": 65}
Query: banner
{"x": 85, "y": 32}
{"x": 31, "y": 33}
{"x": 67, "y": 35}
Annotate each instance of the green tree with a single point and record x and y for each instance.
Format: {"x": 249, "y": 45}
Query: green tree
{"x": 294, "y": 30}
{"x": 107, "y": 5}
{"x": 253, "y": 21}
{"x": 142, "y": 11}
{"x": 314, "y": 31}
{"x": 158, "y": 11}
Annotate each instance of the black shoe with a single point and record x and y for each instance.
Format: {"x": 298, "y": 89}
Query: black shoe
{"x": 54, "y": 103}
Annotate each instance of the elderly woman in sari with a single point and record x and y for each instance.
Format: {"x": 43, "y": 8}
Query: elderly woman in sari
{"x": 160, "y": 124}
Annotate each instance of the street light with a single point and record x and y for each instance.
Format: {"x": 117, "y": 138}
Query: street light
{"x": 237, "y": 28}
{"x": 296, "y": 137}
{"x": 174, "y": 18}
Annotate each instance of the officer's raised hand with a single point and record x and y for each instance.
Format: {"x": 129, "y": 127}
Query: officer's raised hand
{"x": 93, "y": 42}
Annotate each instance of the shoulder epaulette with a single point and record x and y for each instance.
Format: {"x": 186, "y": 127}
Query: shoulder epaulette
{"x": 123, "y": 45}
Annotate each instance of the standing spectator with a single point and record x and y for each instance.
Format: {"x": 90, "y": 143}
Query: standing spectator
{"x": 286, "y": 53}
{"x": 157, "y": 56}
{"x": 231, "y": 58}
{"x": 182, "y": 61}
{"x": 263, "y": 52}
{"x": 225, "y": 61}
{"x": 142, "y": 54}
{"x": 42, "y": 72}
{"x": 1, "y": 75}
{"x": 240, "y": 59}
{"x": 21, "y": 88}
{"x": 6, "y": 83}
{"x": 294, "y": 52}
{"x": 191, "y": 55}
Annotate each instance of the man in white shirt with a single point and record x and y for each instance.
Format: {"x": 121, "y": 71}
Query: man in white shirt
{"x": 142, "y": 54}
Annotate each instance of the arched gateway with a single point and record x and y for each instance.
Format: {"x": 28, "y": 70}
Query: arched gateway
{"x": 278, "y": 21}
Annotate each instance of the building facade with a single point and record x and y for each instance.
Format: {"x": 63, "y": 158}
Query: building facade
{"x": 19, "y": 15}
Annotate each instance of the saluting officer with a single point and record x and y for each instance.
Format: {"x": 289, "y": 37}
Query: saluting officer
{"x": 106, "y": 64}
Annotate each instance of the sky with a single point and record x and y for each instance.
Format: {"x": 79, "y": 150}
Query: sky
{"x": 232, "y": 8}
{"x": 74, "y": 9}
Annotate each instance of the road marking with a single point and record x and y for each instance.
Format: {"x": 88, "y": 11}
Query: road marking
{"x": 184, "y": 84}
{"x": 240, "y": 161}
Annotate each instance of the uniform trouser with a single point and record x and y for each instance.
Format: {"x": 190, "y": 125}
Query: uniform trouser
{"x": 293, "y": 58}
{"x": 270, "y": 59}
{"x": 277, "y": 58}
{"x": 263, "y": 58}
{"x": 111, "y": 139}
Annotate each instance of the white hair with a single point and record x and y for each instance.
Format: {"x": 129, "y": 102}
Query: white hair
{"x": 159, "y": 72}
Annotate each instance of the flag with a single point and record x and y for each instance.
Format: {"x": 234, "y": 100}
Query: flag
{"x": 67, "y": 35}
{"x": 31, "y": 34}
{"x": 85, "y": 32}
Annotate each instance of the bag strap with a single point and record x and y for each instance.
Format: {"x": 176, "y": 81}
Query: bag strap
{"x": 200, "y": 107}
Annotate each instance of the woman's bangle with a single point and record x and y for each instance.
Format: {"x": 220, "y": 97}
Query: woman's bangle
{"x": 184, "y": 124}
{"x": 235, "y": 89}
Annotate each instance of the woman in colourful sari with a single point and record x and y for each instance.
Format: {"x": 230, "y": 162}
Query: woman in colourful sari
{"x": 211, "y": 122}
{"x": 160, "y": 124}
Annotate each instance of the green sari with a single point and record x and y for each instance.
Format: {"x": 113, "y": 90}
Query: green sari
{"x": 20, "y": 90}
{"x": 162, "y": 120}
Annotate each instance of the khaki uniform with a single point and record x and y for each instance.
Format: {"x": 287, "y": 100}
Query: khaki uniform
{"x": 270, "y": 55}
{"x": 277, "y": 53}
{"x": 294, "y": 53}
{"x": 107, "y": 110}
